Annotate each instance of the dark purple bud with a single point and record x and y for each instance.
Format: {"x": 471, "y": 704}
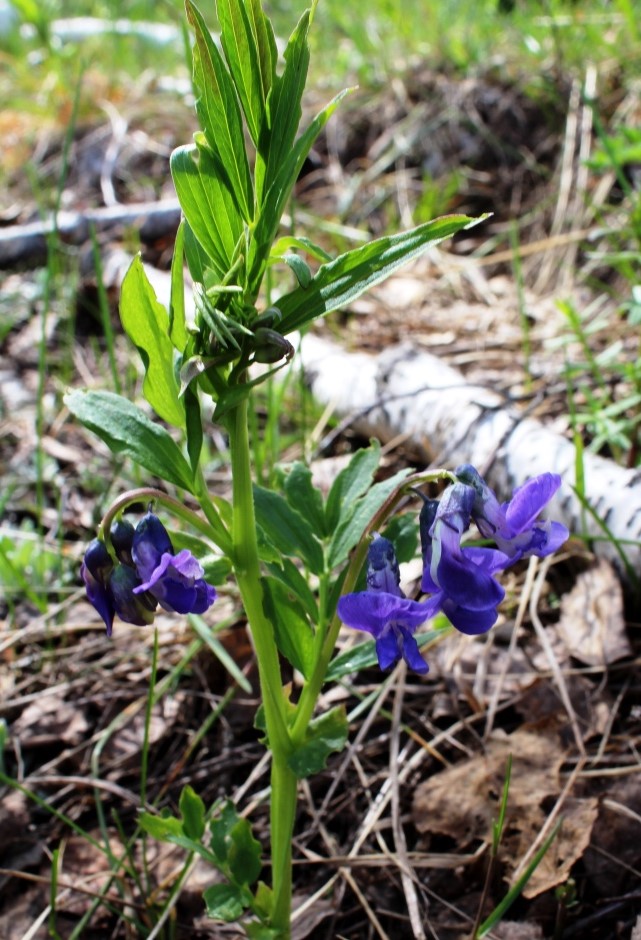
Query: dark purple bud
{"x": 122, "y": 538}
{"x": 270, "y": 346}
{"x": 98, "y": 561}
{"x": 382, "y": 567}
{"x": 137, "y": 608}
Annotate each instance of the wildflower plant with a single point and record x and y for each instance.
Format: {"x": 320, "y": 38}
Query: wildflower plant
{"x": 295, "y": 557}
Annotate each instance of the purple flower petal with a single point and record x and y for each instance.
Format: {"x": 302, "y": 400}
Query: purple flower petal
{"x": 471, "y": 622}
{"x": 151, "y": 541}
{"x": 411, "y": 653}
{"x": 467, "y": 584}
{"x": 387, "y": 649}
{"x": 530, "y": 499}
{"x": 176, "y": 581}
{"x": 98, "y": 595}
{"x": 374, "y": 612}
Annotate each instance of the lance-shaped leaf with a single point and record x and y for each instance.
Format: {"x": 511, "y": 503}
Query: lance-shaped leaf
{"x": 219, "y": 112}
{"x": 146, "y": 323}
{"x": 207, "y": 205}
{"x": 275, "y": 199}
{"x": 127, "y": 430}
{"x": 341, "y": 281}
{"x": 250, "y": 49}
{"x": 292, "y": 631}
{"x": 358, "y": 516}
{"x": 177, "y": 318}
{"x": 288, "y": 531}
{"x": 284, "y": 108}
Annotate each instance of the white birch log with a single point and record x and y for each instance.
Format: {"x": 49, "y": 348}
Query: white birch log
{"x": 405, "y": 391}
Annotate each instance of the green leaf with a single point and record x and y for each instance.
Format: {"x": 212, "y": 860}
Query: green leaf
{"x": 287, "y": 530}
{"x": 219, "y": 113}
{"x": 208, "y": 207}
{"x": 275, "y": 199}
{"x": 127, "y": 430}
{"x": 243, "y": 58}
{"x": 194, "y": 428}
{"x": 146, "y": 323}
{"x": 292, "y": 631}
{"x": 351, "y": 483}
{"x": 304, "y": 497}
{"x": 287, "y": 242}
{"x": 160, "y": 827}
{"x": 288, "y": 574}
{"x": 255, "y": 930}
{"x": 402, "y": 531}
{"x": 243, "y": 855}
{"x": 225, "y": 902}
{"x": 516, "y": 889}
{"x": 263, "y": 900}
{"x": 192, "y": 810}
{"x": 301, "y": 269}
{"x": 177, "y": 323}
{"x": 284, "y": 106}
{"x": 220, "y": 828}
{"x": 265, "y": 43}
{"x": 341, "y": 281}
{"x": 325, "y": 734}
{"x": 352, "y": 528}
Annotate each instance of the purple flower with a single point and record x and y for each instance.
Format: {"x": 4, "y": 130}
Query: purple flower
{"x": 110, "y": 588}
{"x": 514, "y": 525}
{"x": 95, "y": 570}
{"x": 384, "y": 611}
{"x": 176, "y": 581}
{"x": 459, "y": 578}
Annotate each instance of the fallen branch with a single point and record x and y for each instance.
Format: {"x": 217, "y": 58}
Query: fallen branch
{"x": 27, "y": 244}
{"x": 405, "y": 391}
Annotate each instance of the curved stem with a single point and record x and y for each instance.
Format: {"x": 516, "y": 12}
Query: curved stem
{"x": 213, "y": 530}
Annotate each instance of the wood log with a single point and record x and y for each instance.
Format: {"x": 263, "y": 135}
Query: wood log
{"x": 27, "y": 244}
{"x": 406, "y": 391}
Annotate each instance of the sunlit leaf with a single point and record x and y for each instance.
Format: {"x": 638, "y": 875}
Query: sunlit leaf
{"x": 340, "y": 282}
{"x": 146, "y": 323}
{"x": 127, "y": 430}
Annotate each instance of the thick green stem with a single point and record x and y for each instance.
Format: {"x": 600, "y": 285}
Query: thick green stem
{"x": 247, "y": 569}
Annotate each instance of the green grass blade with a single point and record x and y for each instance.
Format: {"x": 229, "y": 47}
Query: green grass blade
{"x": 513, "y": 894}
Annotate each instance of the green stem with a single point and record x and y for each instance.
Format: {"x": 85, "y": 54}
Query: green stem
{"x": 247, "y": 569}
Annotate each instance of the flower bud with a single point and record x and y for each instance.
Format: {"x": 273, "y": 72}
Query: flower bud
{"x": 122, "y": 537}
{"x": 133, "y": 608}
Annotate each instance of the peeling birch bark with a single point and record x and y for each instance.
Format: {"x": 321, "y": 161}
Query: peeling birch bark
{"x": 407, "y": 391}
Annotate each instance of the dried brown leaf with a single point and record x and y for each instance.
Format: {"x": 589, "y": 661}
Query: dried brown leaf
{"x": 592, "y": 623}
{"x": 463, "y": 801}
{"x": 49, "y": 720}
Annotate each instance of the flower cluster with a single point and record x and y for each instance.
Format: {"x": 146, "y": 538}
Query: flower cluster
{"x": 459, "y": 579}
{"x": 146, "y": 573}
